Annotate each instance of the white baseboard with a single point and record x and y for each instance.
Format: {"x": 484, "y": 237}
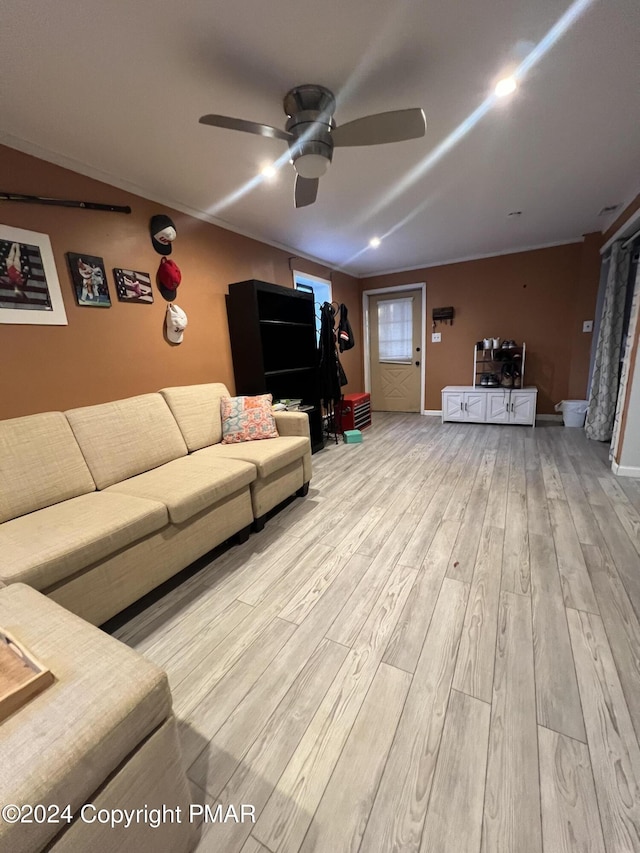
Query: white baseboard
{"x": 625, "y": 470}
{"x": 556, "y": 418}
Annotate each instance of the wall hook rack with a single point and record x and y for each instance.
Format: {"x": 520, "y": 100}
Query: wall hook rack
{"x": 442, "y": 315}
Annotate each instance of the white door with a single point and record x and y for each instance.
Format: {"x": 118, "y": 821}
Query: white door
{"x": 523, "y": 407}
{"x": 395, "y": 335}
{"x": 475, "y": 406}
{"x": 452, "y": 406}
{"x": 498, "y": 406}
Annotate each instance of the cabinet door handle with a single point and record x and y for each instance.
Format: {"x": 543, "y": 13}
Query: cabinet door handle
{"x": 512, "y": 407}
{"x": 466, "y": 408}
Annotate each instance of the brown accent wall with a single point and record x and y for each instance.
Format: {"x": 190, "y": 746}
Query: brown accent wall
{"x": 540, "y": 297}
{"x": 584, "y": 304}
{"x": 106, "y": 354}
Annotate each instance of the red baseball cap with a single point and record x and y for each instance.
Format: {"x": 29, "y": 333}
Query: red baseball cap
{"x": 169, "y": 274}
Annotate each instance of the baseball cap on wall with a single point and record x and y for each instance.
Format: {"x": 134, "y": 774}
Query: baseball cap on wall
{"x": 176, "y": 323}
{"x": 163, "y": 233}
{"x": 169, "y": 275}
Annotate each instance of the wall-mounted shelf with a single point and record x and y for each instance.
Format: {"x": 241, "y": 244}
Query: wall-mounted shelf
{"x": 282, "y": 323}
{"x": 287, "y": 370}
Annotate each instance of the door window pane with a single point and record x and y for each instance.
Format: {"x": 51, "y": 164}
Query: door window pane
{"x": 321, "y": 289}
{"x": 395, "y": 330}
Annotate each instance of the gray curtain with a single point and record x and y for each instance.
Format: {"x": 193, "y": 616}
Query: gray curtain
{"x": 602, "y": 286}
{"x": 606, "y": 368}
{"x": 626, "y": 363}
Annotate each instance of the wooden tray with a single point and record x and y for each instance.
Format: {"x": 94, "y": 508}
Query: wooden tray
{"x": 22, "y": 676}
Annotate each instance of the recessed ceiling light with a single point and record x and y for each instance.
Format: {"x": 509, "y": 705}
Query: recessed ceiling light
{"x": 505, "y": 86}
{"x": 374, "y": 242}
{"x": 268, "y": 172}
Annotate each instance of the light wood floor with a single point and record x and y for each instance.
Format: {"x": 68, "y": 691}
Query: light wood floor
{"x": 437, "y": 650}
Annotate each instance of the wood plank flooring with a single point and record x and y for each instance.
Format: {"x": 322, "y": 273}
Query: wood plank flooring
{"x": 436, "y": 651}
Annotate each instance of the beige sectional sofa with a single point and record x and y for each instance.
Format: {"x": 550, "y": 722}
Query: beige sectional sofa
{"x": 101, "y": 737}
{"x": 99, "y": 505}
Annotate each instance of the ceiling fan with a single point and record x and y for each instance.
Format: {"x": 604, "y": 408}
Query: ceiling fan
{"x": 312, "y": 134}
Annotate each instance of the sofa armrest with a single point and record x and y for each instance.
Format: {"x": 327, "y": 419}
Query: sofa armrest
{"x": 292, "y": 423}
{"x": 62, "y": 745}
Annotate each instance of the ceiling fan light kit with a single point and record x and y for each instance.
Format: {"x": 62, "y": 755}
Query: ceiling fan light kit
{"x": 312, "y": 134}
{"x": 309, "y": 165}
{"x": 310, "y": 122}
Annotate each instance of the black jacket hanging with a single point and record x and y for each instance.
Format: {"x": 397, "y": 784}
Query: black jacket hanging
{"x": 345, "y": 333}
{"x": 329, "y": 364}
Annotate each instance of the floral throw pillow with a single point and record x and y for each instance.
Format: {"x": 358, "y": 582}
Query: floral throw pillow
{"x": 247, "y": 419}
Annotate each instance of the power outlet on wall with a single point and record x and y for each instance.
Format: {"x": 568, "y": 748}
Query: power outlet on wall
{"x": 436, "y": 337}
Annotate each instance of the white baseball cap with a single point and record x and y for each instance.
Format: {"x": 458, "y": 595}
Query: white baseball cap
{"x": 176, "y": 323}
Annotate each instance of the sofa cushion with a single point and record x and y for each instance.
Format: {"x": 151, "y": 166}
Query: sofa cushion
{"x": 63, "y": 744}
{"x": 40, "y": 464}
{"x": 247, "y": 419}
{"x": 187, "y": 486}
{"x": 127, "y": 437}
{"x": 269, "y": 456}
{"x": 53, "y": 543}
{"x": 196, "y": 408}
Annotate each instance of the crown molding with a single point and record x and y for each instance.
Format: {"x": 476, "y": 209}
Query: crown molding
{"x": 466, "y": 258}
{"x": 81, "y": 168}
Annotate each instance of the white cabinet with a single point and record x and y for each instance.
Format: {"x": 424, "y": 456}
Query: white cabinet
{"x": 494, "y": 404}
{"x": 489, "y": 405}
{"x": 452, "y": 406}
{"x": 506, "y": 406}
{"x": 475, "y": 406}
{"x": 498, "y": 407}
{"x": 523, "y": 407}
{"x": 464, "y": 405}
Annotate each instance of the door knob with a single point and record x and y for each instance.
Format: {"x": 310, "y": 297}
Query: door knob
{"x": 417, "y": 364}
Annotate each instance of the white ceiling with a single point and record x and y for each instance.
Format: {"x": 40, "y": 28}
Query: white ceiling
{"x": 115, "y": 90}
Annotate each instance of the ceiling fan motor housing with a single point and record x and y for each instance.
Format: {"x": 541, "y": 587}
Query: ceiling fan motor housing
{"x": 310, "y": 110}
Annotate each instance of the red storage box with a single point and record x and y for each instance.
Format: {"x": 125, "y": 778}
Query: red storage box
{"x": 353, "y": 412}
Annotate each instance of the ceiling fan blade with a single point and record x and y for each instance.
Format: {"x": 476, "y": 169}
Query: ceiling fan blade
{"x": 247, "y": 126}
{"x": 306, "y": 191}
{"x": 394, "y": 126}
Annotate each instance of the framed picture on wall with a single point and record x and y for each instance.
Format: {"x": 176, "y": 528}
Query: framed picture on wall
{"x": 89, "y": 280}
{"x": 133, "y": 286}
{"x": 29, "y": 287}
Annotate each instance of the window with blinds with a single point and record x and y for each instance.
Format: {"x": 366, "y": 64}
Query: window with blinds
{"x": 395, "y": 330}
{"x": 321, "y": 289}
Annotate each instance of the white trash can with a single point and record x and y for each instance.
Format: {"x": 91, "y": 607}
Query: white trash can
{"x": 573, "y": 412}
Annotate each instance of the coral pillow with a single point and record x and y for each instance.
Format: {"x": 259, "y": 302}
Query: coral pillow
{"x": 247, "y": 418}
